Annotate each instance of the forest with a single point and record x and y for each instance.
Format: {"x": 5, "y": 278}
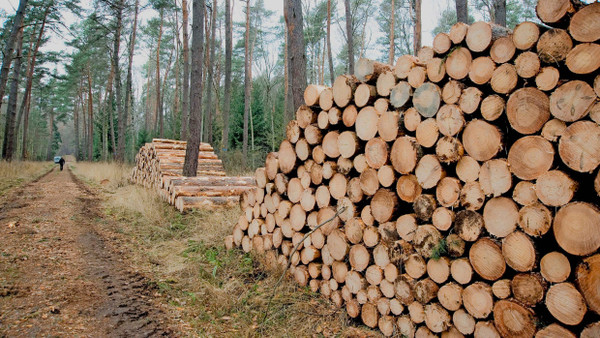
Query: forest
{"x": 124, "y": 76}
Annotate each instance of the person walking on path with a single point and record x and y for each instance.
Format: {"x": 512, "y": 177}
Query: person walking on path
{"x": 62, "y": 163}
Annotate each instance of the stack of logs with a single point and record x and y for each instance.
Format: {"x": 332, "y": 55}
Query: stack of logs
{"x": 469, "y": 180}
{"x": 159, "y": 165}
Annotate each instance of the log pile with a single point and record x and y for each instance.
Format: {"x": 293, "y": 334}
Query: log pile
{"x": 159, "y": 165}
{"x": 469, "y": 181}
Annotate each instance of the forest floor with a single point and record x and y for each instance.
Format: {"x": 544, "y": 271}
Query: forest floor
{"x": 85, "y": 253}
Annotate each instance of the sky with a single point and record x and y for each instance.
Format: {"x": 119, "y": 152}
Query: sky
{"x": 431, "y": 12}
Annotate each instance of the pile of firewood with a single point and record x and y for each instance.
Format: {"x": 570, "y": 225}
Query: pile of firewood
{"x": 468, "y": 179}
{"x": 159, "y": 165}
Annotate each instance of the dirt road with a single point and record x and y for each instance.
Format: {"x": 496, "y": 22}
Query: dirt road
{"x": 59, "y": 276}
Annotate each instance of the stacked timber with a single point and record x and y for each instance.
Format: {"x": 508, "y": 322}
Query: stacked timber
{"x": 159, "y": 165}
{"x": 463, "y": 185}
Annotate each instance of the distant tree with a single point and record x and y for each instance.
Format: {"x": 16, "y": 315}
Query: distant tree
{"x": 227, "y": 89}
{"x": 247, "y": 82}
{"x": 185, "y": 101}
{"x": 190, "y": 164}
{"x": 208, "y": 130}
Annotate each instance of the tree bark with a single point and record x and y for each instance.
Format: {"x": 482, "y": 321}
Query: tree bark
{"x": 500, "y": 12}
{"x": 10, "y": 47}
{"x": 247, "y": 80}
{"x": 186, "y": 72}
{"x": 349, "y": 37}
{"x": 25, "y": 103}
{"x": 121, "y": 116}
{"x": 9, "y": 128}
{"x": 392, "y": 38}
{"x": 129, "y": 81}
{"x": 462, "y": 11}
{"x": 90, "y": 119}
{"x": 228, "y": 57}
{"x": 296, "y": 52}
{"x": 329, "y": 57}
{"x": 191, "y": 155}
{"x": 49, "y": 153}
{"x": 158, "y": 110}
{"x": 209, "y": 80}
{"x": 417, "y": 26}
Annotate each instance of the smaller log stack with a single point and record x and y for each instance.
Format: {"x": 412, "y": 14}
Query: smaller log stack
{"x": 469, "y": 176}
{"x": 159, "y": 165}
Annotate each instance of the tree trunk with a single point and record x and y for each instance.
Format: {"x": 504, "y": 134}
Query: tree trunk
{"x": 25, "y": 103}
{"x": 208, "y": 129}
{"x": 191, "y": 155}
{"x": 462, "y": 11}
{"x": 119, "y": 151}
{"x": 500, "y": 12}
{"x": 90, "y": 118}
{"x": 129, "y": 82}
{"x": 296, "y": 52}
{"x": 349, "y": 37}
{"x": 228, "y": 56}
{"x": 186, "y": 72}
{"x": 76, "y": 124}
{"x": 417, "y": 26}
{"x": 329, "y": 57}
{"x": 49, "y": 153}
{"x": 158, "y": 110}
{"x": 10, "y": 47}
{"x": 9, "y": 129}
{"x": 392, "y": 38}
{"x": 247, "y": 80}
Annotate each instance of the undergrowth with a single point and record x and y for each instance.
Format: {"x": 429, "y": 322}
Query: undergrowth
{"x": 209, "y": 291}
{"x": 15, "y": 173}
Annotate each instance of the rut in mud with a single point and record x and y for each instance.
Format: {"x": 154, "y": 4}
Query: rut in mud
{"x": 59, "y": 275}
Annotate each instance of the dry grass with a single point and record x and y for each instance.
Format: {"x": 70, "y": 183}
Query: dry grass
{"x": 17, "y": 172}
{"x": 210, "y": 290}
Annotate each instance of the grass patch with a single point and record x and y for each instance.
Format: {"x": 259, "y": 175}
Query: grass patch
{"x": 16, "y": 173}
{"x": 209, "y": 290}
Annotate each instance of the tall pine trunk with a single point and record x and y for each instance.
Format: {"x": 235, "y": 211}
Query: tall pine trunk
{"x": 76, "y": 124}
{"x": 26, "y": 101}
{"x": 247, "y": 80}
{"x": 296, "y": 52}
{"x": 10, "y": 47}
{"x": 349, "y": 37}
{"x": 121, "y": 119}
{"x": 90, "y": 102}
{"x": 417, "y": 26}
{"x": 49, "y": 152}
{"x": 8, "y": 147}
{"x": 462, "y": 11}
{"x": 329, "y": 56}
{"x": 190, "y": 164}
{"x": 158, "y": 111}
{"x": 129, "y": 81}
{"x": 392, "y": 37}
{"x": 186, "y": 72}
{"x": 500, "y": 12}
{"x": 209, "y": 81}
{"x": 228, "y": 52}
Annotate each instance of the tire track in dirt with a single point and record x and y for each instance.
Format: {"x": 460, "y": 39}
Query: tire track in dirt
{"x": 59, "y": 275}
